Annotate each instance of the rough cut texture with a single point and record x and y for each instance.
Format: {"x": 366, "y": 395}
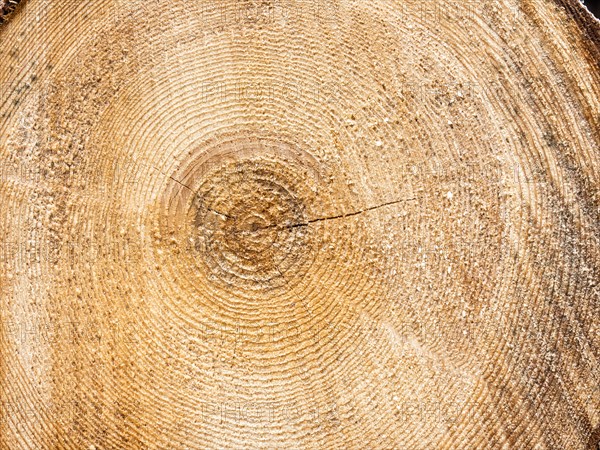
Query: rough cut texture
{"x": 287, "y": 225}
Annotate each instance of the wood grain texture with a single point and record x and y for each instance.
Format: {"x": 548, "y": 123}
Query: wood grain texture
{"x": 299, "y": 224}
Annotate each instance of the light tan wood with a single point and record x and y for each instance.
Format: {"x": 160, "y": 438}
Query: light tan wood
{"x": 289, "y": 225}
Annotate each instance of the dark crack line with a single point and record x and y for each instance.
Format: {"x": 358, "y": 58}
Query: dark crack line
{"x": 174, "y": 179}
{"x": 321, "y": 219}
{"x": 191, "y": 190}
{"x": 308, "y": 222}
{"x": 342, "y": 216}
{"x": 179, "y": 182}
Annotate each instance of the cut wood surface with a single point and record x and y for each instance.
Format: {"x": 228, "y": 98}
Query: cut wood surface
{"x": 294, "y": 224}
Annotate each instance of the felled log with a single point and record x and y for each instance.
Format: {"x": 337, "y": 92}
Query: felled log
{"x": 299, "y": 224}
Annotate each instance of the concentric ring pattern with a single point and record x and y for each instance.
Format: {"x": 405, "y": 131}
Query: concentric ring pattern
{"x": 299, "y": 224}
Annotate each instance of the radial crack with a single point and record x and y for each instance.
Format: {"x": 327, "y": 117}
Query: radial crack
{"x": 178, "y": 182}
{"x": 341, "y": 216}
